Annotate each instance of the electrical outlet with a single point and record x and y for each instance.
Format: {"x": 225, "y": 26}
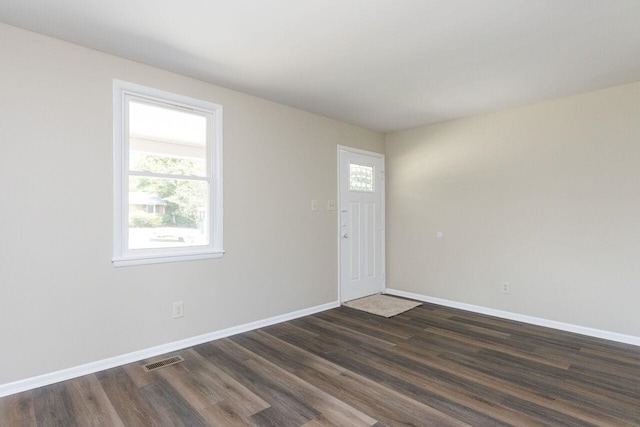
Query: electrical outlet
{"x": 331, "y": 205}
{"x": 505, "y": 287}
{"x": 178, "y": 309}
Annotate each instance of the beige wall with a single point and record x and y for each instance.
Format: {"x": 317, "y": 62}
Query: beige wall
{"x": 62, "y": 303}
{"x": 545, "y": 196}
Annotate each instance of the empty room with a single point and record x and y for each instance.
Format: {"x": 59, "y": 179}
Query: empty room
{"x": 320, "y": 213}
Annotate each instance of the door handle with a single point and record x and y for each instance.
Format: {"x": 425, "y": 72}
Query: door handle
{"x": 345, "y": 236}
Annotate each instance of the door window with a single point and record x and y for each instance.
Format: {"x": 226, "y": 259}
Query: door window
{"x": 360, "y": 178}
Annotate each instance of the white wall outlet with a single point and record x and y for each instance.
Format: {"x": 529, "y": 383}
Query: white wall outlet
{"x": 178, "y": 309}
{"x": 505, "y": 287}
{"x": 314, "y": 205}
{"x": 331, "y": 205}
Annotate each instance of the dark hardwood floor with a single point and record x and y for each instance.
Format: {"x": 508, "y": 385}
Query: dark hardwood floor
{"x": 431, "y": 366}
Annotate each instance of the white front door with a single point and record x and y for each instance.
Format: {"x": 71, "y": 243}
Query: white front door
{"x": 361, "y": 223}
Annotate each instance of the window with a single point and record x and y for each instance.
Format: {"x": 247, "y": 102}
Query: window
{"x": 360, "y": 178}
{"x": 167, "y": 176}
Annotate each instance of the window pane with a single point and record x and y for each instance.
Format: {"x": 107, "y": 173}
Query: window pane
{"x": 167, "y": 212}
{"x": 165, "y": 140}
{"x": 360, "y": 178}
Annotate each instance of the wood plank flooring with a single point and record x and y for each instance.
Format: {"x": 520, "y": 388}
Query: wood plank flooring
{"x": 431, "y": 366}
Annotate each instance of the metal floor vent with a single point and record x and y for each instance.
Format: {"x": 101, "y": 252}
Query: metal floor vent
{"x": 162, "y": 363}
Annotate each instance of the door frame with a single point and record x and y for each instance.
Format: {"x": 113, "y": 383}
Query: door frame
{"x": 384, "y": 215}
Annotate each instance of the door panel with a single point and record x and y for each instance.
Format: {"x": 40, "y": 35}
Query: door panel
{"x": 354, "y": 236}
{"x": 370, "y": 240}
{"x": 361, "y": 177}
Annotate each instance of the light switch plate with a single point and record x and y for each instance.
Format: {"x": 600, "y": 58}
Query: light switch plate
{"x": 314, "y": 205}
{"x": 331, "y": 205}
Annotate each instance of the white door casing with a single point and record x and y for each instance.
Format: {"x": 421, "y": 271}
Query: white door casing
{"x": 361, "y": 223}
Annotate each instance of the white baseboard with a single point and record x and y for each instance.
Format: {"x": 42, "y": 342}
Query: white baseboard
{"x": 112, "y": 362}
{"x": 582, "y": 330}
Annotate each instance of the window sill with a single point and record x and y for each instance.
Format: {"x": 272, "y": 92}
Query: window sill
{"x": 158, "y": 259}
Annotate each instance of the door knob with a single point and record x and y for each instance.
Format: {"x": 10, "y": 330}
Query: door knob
{"x": 345, "y": 236}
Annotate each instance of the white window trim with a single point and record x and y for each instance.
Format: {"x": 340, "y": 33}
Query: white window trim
{"x": 124, "y": 256}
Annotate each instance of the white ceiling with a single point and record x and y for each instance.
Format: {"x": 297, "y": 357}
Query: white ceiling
{"x": 382, "y": 64}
